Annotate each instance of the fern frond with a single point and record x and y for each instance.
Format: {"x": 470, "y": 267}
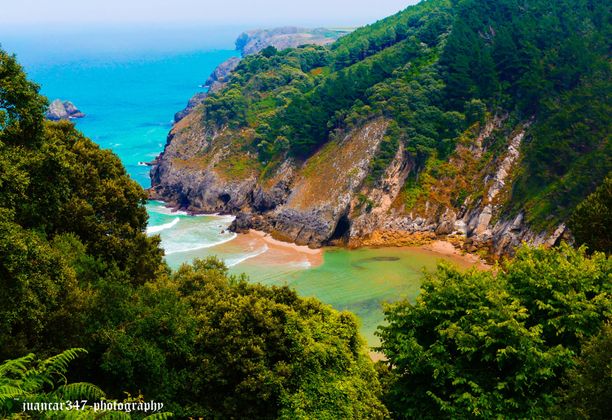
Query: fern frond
{"x": 59, "y": 363}
{"x": 159, "y": 416}
{"x": 9, "y": 392}
{"x": 79, "y": 390}
{"x": 16, "y": 367}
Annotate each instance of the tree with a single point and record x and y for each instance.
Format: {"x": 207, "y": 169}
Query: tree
{"x": 21, "y": 107}
{"x": 589, "y": 382}
{"x": 477, "y": 344}
{"x": 592, "y": 219}
{"x": 224, "y": 348}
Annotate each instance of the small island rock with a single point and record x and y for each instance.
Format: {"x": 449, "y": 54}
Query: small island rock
{"x": 63, "y": 110}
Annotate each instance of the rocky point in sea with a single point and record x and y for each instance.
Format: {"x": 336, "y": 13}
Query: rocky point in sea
{"x": 63, "y": 110}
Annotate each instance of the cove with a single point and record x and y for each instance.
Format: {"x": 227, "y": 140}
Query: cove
{"x": 359, "y": 280}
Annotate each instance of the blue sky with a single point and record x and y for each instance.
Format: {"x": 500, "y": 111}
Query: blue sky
{"x": 216, "y": 12}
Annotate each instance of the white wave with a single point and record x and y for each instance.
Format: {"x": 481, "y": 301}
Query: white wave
{"x": 170, "y": 251}
{"x": 159, "y": 207}
{"x": 231, "y": 262}
{"x": 156, "y": 229}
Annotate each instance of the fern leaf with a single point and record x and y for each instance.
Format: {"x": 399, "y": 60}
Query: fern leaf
{"x": 16, "y": 367}
{"x": 59, "y": 363}
{"x": 79, "y": 390}
{"x": 8, "y": 392}
{"x": 159, "y": 416}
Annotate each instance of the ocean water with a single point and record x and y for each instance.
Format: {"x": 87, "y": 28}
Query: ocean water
{"x": 130, "y": 92}
{"x": 129, "y": 103}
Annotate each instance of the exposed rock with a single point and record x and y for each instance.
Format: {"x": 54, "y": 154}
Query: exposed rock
{"x": 251, "y": 42}
{"x": 291, "y": 205}
{"x": 221, "y": 74}
{"x": 195, "y": 100}
{"x": 506, "y": 165}
{"x": 62, "y": 110}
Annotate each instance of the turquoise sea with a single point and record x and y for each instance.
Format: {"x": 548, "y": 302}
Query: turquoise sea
{"x": 130, "y": 90}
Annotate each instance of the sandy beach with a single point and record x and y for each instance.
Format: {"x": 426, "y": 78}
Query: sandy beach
{"x": 279, "y": 252}
{"x": 448, "y": 250}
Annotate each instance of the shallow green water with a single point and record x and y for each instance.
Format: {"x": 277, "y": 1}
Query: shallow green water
{"x": 356, "y": 280}
{"x": 359, "y": 280}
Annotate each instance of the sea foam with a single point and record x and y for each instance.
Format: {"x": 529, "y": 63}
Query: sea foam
{"x": 231, "y": 262}
{"x": 172, "y": 250}
{"x": 156, "y": 229}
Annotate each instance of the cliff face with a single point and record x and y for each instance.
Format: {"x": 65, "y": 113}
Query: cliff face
{"x": 328, "y": 199}
{"x": 201, "y": 171}
{"x": 481, "y": 220}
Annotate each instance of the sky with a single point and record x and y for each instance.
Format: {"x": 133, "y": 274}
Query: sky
{"x": 218, "y": 12}
{"x": 54, "y": 31}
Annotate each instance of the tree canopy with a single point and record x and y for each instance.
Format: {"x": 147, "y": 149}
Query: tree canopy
{"x": 484, "y": 344}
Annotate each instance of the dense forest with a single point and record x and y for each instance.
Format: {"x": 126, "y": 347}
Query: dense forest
{"x": 90, "y": 310}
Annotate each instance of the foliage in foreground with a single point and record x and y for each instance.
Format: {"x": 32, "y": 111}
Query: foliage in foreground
{"x": 78, "y": 270}
{"x": 479, "y": 344}
{"x": 29, "y": 381}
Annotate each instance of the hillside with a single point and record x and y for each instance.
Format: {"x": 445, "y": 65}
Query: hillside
{"x": 252, "y": 42}
{"x": 488, "y": 120}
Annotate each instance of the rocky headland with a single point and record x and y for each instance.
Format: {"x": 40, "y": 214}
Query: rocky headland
{"x": 376, "y": 141}
{"x": 252, "y": 42}
{"x": 327, "y": 199}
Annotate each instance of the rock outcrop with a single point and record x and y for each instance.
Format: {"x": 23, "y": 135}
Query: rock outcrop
{"x": 62, "y": 110}
{"x": 328, "y": 198}
{"x": 251, "y": 42}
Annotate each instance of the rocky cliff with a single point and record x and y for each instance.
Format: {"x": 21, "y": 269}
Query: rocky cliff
{"x": 328, "y": 199}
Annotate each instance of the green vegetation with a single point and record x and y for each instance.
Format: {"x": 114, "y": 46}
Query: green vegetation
{"x": 434, "y": 70}
{"x": 78, "y": 271}
{"x": 589, "y": 380}
{"x": 592, "y": 219}
{"x": 477, "y": 344}
{"x": 26, "y": 381}
{"x": 528, "y": 341}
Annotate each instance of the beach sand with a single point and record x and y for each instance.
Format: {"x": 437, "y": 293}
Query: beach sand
{"x": 277, "y": 253}
{"x": 283, "y": 253}
{"x": 448, "y": 251}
